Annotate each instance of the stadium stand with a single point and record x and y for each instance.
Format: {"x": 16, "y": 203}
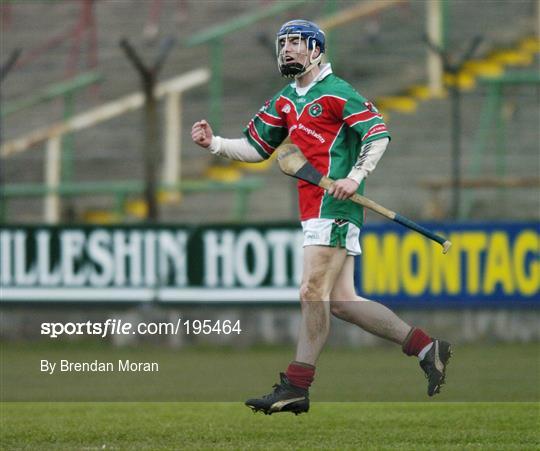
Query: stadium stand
{"x": 383, "y": 56}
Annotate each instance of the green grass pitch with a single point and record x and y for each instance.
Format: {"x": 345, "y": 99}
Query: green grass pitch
{"x": 367, "y": 398}
{"x": 371, "y": 426}
{"x": 494, "y": 372}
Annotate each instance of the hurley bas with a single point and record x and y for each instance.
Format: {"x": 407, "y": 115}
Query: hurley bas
{"x": 95, "y": 366}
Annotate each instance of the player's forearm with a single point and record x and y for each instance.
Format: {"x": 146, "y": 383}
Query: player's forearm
{"x": 370, "y": 154}
{"x": 235, "y": 149}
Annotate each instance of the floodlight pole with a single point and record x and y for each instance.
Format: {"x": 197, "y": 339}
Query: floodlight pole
{"x": 453, "y": 66}
{"x": 149, "y": 77}
{"x": 10, "y": 62}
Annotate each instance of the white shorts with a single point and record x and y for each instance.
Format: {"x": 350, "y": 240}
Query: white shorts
{"x": 332, "y": 232}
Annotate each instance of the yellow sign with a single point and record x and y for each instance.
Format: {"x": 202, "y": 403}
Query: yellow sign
{"x": 501, "y": 262}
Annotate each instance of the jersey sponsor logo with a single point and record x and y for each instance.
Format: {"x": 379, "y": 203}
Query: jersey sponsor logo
{"x": 315, "y": 110}
{"x": 311, "y": 132}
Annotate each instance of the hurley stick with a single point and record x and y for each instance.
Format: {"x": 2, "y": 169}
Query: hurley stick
{"x": 293, "y": 162}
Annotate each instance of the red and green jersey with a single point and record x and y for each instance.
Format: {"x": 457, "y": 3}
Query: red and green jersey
{"x": 329, "y": 124}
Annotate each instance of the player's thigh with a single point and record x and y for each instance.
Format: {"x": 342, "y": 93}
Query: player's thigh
{"x": 343, "y": 288}
{"x": 322, "y": 266}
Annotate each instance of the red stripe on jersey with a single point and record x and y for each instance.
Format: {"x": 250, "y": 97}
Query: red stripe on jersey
{"x": 375, "y": 130}
{"x": 315, "y": 136}
{"x": 310, "y": 199}
{"x": 270, "y": 120}
{"x": 364, "y": 116}
{"x": 255, "y": 135}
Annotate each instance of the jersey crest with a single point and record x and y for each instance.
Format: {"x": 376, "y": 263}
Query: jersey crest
{"x": 315, "y": 110}
{"x": 371, "y": 107}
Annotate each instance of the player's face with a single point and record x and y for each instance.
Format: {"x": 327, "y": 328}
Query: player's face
{"x": 293, "y": 49}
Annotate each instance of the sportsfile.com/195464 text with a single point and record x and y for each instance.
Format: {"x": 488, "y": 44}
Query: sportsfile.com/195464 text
{"x": 120, "y": 327}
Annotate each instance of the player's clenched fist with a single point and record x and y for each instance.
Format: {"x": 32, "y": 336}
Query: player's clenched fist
{"x": 201, "y": 133}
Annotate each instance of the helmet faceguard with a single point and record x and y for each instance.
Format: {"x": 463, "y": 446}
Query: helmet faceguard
{"x": 303, "y": 30}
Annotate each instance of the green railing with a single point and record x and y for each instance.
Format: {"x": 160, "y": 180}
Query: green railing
{"x": 53, "y": 135}
{"x": 123, "y": 189}
{"x": 492, "y": 124}
{"x": 67, "y": 90}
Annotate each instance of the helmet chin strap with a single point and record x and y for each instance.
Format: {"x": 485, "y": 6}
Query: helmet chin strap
{"x": 309, "y": 68}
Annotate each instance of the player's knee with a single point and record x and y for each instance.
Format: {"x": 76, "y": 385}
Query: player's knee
{"x": 338, "y": 308}
{"x": 311, "y": 291}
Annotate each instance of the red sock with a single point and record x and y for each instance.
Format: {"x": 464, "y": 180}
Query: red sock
{"x": 300, "y": 374}
{"x": 416, "y": 340}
